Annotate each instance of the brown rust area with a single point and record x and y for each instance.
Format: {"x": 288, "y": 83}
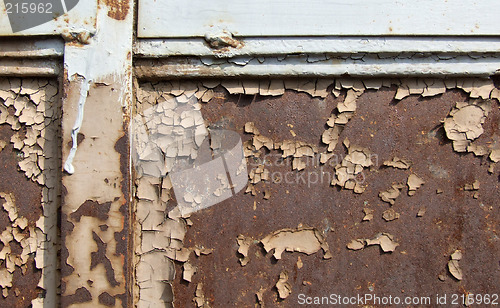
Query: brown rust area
{"x": 124, "y": 239}
{"x": 93, "y": 209}
{"x": 26, "y": 192}
{"x": 107, "y": 299}
{"x": 99, "y": 257}
{"x": 82, "y": 295}
{"x": 117, "y": 9}
{"x": 66, "y": 269}
{"x": 409, "y": 129}
{"x": 24, "y": 285}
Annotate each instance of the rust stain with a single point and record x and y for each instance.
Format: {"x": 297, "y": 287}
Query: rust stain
{"x": 117, "y": 9}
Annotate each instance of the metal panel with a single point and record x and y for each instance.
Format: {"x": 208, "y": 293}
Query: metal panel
{"x": 198, "y": 18}
{"x": 443, "y": 216}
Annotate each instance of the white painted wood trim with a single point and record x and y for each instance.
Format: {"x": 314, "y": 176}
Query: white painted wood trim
{"x": 157, "y": 48}
{"x": 197, "y": 18}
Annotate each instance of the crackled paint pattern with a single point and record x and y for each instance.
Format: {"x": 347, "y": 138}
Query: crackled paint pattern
{"x": 30, "y": 115}
{"x": 164, "y": 242}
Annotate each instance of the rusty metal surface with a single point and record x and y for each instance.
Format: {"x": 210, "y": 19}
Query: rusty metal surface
{"x": 28, "y": 200}
{"x": 29, "y": 191}
{"x": 411, "y": 129}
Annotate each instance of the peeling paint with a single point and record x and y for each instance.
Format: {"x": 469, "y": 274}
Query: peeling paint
{"x": 304, "y": 240}
{"x": 36, "y": 123}
{"x": 154, "y": 199}
{"x": 385, "y": 240}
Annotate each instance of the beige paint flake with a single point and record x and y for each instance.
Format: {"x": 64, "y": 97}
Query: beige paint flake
{"x": 491, "y": 168}
{"x": 251, "y": 190}
{"x": 357, "y": 244}
{"x": 473, "y": 186}
{"x": 398, "y": 163}
{"x": 426, "y": 87}
{"x": 368, "y": 214}
{"x": 260, "y": 141}
{"x": 34, "y": 111}
{"x": 296, "y": 149}
{"x": 5, "y": 279}
{"x": 495, "y": 155}
{"x": 478, "y": 150}
{"x": 414, "y": 183}
{"x": 384, "y": 240}
{"x": 200, "y": 300}
{"x": 390, "y": 215}
{"x": 188, "y": 271}
{"x": 9, "y": 205}
{"x": 259, "y": 174}
{"x": 392, "y": 193}
{"x": 344, "y": 112}
{"x": 331, "y": 138}
{"x": 244, "y": 244}
{"x": 433, "y": 87}
{"x": 349, "y": 173}
{"x": 453, "y": 265}
{"x": 251, "y": 128}
{"x": 260, "y": 297}
{"x": 464, "y": 123}
{"x": 372, "y": 83}
{"x": 283, "y": 286}
{"x": 303, "y": 239}
{"x": 298, "y": 164}
{"x": 421, "y": 212}
{"x": 233, "y": 86}
{"x": 202, "y": 250}
{"x": 300, "y": 264}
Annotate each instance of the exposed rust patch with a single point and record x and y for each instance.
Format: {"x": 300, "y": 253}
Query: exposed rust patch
{"x": 27, "y": 193}
{"x": 99, "y": 257}
{"x": 117, "y": 9}
{"x": 123, "y": 238}
{"x": 409, "y": 129}
{"x": 92, "y": 209}
{"x": 106, "y": 299}
{"x": 66, "y": 269}
{"x": 82, "y": 295}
